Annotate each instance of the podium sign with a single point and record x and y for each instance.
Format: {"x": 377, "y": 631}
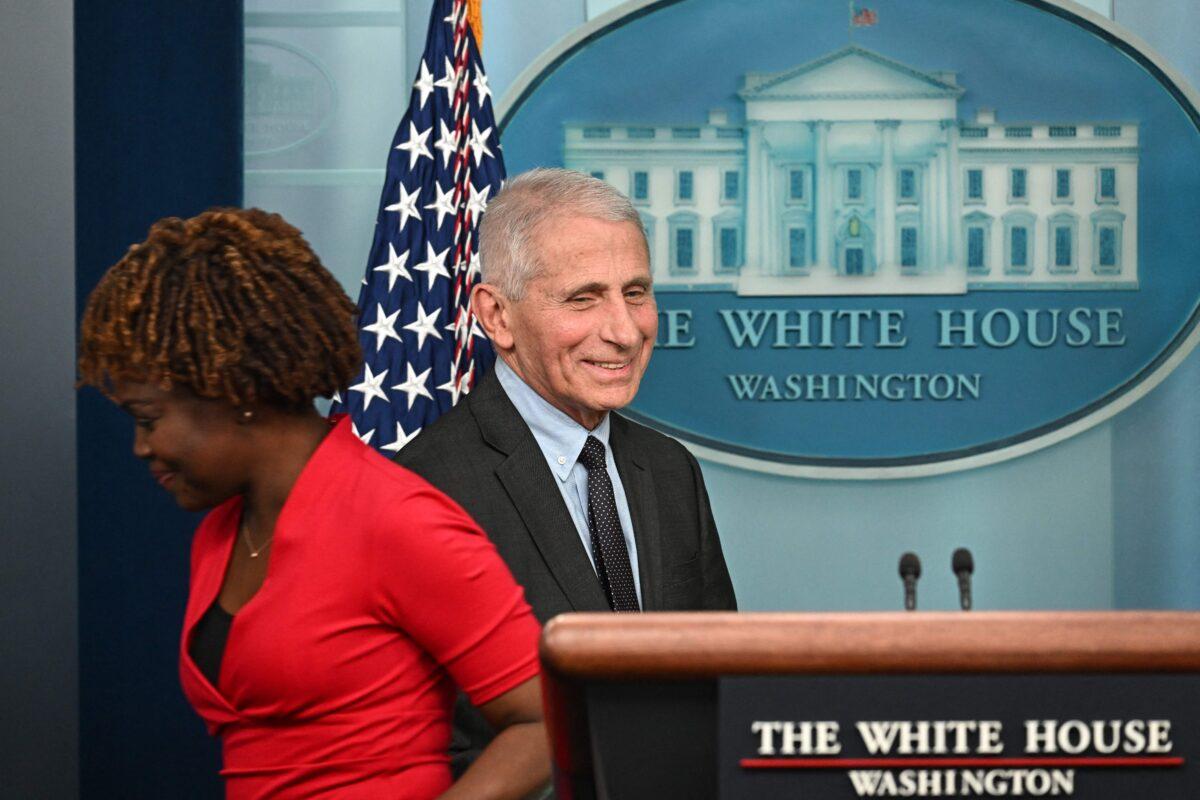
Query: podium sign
{"x": 816, "y": 706}
{"x": 1085, "y": 736}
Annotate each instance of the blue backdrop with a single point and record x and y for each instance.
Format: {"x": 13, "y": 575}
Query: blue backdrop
{"x": 158, "y": 132}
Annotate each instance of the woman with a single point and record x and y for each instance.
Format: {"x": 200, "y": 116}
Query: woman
{"x": 334, "y": 596}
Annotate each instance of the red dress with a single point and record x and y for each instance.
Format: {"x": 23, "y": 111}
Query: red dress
{"x": 338, "y": 675}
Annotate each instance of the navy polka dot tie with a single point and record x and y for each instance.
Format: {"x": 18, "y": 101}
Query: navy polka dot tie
{"x": 608, "y": 542}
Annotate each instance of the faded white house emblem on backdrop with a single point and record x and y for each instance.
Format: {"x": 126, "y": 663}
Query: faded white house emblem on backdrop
{"x": 290, "y": 97}
{"x": 853, "y": 175}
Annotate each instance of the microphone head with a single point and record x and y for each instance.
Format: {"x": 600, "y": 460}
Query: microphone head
{"x": 910, "y": 566}
{"x": 962, "y": 562}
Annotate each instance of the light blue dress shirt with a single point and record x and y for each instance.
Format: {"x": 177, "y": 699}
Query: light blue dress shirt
{"x": 561, "y": 441}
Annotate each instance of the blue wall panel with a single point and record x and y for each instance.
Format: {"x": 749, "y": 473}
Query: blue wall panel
{"x": 158, "y": 132}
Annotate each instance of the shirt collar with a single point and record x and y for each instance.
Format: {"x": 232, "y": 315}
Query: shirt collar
{"x": 559, "y": 437}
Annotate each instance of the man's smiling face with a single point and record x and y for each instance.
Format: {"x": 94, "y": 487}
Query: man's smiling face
{"x": 584, "y": 329}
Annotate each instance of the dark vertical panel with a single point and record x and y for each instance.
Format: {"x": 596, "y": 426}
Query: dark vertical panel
{"x": 158, "y": 110}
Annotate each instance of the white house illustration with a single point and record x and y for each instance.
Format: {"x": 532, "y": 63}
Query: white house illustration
{"x": 853, "y": 175}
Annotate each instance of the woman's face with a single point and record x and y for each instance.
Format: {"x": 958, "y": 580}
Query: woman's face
{"x": 195, "y": 448}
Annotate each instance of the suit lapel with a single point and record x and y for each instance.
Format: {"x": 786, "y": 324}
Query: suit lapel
{"x": 633, "y": 465}
{"x": 534, "y": 492}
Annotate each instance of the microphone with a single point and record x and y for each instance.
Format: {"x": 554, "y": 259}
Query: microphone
{"x": 963, "y": 565}
{"x": 910, "y": 570}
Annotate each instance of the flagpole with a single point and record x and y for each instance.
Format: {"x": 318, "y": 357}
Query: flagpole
{"x": 850, "y": 22}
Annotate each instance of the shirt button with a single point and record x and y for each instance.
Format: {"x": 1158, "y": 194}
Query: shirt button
{"x": 562, "y": 459}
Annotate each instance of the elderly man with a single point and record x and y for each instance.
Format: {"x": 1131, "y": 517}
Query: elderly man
{"x": 591, "y": 511}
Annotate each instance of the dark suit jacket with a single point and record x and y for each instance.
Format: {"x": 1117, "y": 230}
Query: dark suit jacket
{"x": 484, "y": 456}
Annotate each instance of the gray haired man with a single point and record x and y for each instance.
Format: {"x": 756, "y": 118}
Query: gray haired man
{"x": 590, "y": 510}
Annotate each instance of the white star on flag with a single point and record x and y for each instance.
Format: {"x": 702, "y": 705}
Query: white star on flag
{"x": 451, "y": 386}
{"x": 448, "y": 81}
{"x": 433, "y": 265}
{"x": 407, "y": 205}
{"x": 416, "y": 146}
{"x": 424, "y": 83}
{"x": 384, "y": 326}
{"x": 447, "y": 143}
{"x": 394, "y": 267}
{"x": 477, "y": 200}
{"x": 459, "y": 329}
{"x": 366, "y": 437}
{"x": 414, "y": 385}
{"x": 424, "y": 325}
{"x": 481, "y": 86}
{"x": 402, "y": 439}
{"x": 444, "y": 204}
{"x": 478, "y": 143}
{"x": 371, "y": 386}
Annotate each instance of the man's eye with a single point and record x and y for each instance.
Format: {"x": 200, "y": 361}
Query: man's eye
{"x": 636, "y": 295}
{"x": 145, "y": 423}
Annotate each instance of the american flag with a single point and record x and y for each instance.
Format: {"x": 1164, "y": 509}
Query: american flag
{"x": 862, "y": 17}
{"x": 422, "y": 346}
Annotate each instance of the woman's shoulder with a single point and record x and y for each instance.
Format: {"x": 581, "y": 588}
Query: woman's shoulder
{"x": 346, "y": 459}
{"x": 372, "y": 487}
{"x": 381, "y": 476}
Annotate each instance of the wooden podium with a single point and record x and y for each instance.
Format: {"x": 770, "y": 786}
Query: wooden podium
{"x": 631, "y": 699}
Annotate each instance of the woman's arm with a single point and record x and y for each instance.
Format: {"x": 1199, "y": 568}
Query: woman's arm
{"x": 518, "y": 760}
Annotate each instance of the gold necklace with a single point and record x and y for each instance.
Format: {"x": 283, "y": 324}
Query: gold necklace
{"x": 254, "y": 552}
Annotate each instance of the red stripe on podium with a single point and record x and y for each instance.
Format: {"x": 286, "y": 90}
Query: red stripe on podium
{"x": 892, "y": 763}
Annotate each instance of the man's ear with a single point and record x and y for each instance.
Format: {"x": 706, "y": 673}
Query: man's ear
{"x": 492, "y": 310}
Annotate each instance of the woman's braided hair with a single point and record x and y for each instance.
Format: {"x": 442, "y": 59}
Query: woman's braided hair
{"x": 231, "y": 304}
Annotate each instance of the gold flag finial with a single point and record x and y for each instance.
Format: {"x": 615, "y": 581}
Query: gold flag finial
{"x": 475, "y": 18}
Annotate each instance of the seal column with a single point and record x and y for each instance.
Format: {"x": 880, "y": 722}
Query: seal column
{"x": 953, "y": 187}
{"x": 885, "y": 258}
{"x": 756, "y": 213}
{"x": 940, "y": 213}
{"x": 823, "y": 182}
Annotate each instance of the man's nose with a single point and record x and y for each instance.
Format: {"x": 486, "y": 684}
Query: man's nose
{"x": 619, "y": 326}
